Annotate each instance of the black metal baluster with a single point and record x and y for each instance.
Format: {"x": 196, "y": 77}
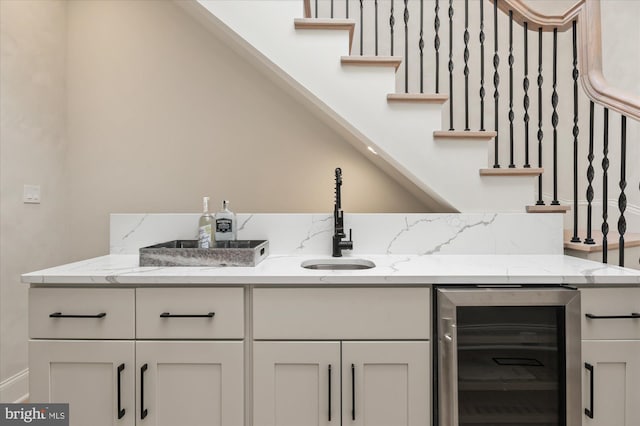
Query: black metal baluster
{"x": 554, "y": 118}
{"x": 525, "y": 102}
{"x": 436, "y": 45}
{"x": 576, "y": 131}
{"x": 511, "y": 114}
{"x": 316, "y": 8}
{"x": 622, "y": 199}
{"x": 589, "y": 239}
{"x": 605, "y": 188}
{"x": 496, "y": 81}
{"x": 361, "y": 27}
{"x": 482, "y": 91}
{"x": 421, "y": 46}
{"x": 540, "y": 134}
{"x": 406, "y": 46}
{"x": 376, "y": 25}
{"x": 332, "y": 9}
{"x": 347, "y": 11}
{"x": 392, "y": 22}
{"x": 466, "y": 65}
{"x": 451, "y": 65}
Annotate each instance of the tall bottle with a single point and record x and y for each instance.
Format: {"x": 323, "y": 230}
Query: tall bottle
{"x": 206, "y": 226}
{"x": 226, "y": 225}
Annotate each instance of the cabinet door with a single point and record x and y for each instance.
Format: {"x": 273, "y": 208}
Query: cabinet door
{"x": 296, "y": 383}
{"x": 616, "y": 382}
{"x": 386, "y": 383}
{"x": 190, "y": 383}
{"x": 96, "y": 378}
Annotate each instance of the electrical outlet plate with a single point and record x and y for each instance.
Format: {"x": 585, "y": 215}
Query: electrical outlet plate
{"x": 31, "y": 194}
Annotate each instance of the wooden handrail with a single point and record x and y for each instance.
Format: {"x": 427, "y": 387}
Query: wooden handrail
{"x": 522, "y": 13}
{"x": 587, "y": 14}
{"x": 593, "y": 81}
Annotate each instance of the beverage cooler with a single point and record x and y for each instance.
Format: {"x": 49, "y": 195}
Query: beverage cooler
{"x": 508, "y": 356}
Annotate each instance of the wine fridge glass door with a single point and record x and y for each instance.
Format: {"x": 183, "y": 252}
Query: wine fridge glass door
{"x": 504, "y": 363}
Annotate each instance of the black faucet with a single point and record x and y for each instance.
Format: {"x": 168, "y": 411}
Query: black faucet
{"x": 338, "y": 221}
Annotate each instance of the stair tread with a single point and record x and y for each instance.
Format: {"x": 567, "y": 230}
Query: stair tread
{"x": 436, "y": 98}
{"x": 630, "y": 240}
{"x": 388, "y": 61}
{"x": 548, "y": 209}
{"x": 464, "y": 134}
{"x": 518, "y": 171}
{"x": 326, "y": 24}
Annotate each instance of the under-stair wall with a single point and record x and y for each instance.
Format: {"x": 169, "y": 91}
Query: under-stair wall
{"x": 519, "y": 93}
{"x": 356, "y": 97}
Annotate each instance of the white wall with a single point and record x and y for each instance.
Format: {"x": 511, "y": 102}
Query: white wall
{"x": 32, "y": 151}
{"x": 161, "y": 113}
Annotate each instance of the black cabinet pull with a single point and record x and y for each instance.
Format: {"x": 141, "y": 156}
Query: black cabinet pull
{"x": 143, "y": 411}
{"x": 353, "y": 392}
{"x": 633, "y": 315}
{"x": 61, "y": 315}
{"x": 329, "y": 392}
{"x": 169, "y": 315}
{"x": 589, "y": 411}
{"x": 121, "y": 410}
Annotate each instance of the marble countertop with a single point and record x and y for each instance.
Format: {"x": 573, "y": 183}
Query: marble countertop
{"x": 390, "y": 269}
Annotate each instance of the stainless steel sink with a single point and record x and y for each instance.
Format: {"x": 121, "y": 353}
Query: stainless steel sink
{"x": 338, "y": 264}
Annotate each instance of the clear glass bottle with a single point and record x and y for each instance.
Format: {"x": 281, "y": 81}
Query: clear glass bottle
{"x": 206, "y": 226}
{"x": 226, "y": 225}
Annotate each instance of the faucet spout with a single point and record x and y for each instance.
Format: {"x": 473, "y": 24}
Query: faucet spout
{"x": 338, "y": 220}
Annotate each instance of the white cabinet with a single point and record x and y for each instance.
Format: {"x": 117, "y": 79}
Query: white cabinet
{"x": 611, "y": 355}
{"x": 386, "y": 383}
{"x": 376, "y": 383}
{"x": 296, "y": 383}
{"x": 96, "y": 378}
{"x": 190, "y": 383}
{"x": 319, "y": 363}
{"x": 615, "y": 400}
{"x": 131, "y": 382}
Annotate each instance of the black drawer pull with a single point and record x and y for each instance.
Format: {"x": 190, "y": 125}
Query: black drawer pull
{"x": 61, "y": 315}
{"x": 353, "y": 392}
{"x": 168, "y": 315}
{"x": 329, "y": 392}
{"x": 121, "y": 410}
{"x": 633, "y": 315}
{"x": 143, "y": 411}
{"x": 589, "y": 411}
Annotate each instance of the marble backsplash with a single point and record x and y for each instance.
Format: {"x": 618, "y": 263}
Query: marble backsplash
{"x": 381, "y": 233}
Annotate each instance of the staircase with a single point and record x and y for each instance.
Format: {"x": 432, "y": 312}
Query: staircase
{"x": 404, "y": 133}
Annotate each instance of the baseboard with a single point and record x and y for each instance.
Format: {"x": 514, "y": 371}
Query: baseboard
{"x": 15, "y": 389}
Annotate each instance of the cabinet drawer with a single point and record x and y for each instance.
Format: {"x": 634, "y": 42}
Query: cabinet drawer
{"x": 610, "y": 302}
{"x": 83, "y": 313}
{"x": 341, "y": 313}
{"x": 190, "y": 313}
